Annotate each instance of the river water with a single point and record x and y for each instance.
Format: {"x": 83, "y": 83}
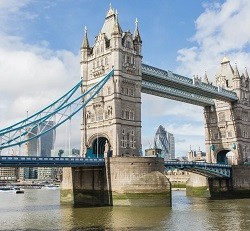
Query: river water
{"x": 40, "y": 209}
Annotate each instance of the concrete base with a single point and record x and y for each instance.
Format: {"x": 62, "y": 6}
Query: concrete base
{"x": 66, "y": 192}
{"x": 220, "y": 188}
{"x": 197, "y": 186}
{"x": 129, "y": 181}
{"x": 138, "y": 181}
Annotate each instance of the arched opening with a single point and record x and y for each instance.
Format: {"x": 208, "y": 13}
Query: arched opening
{"x": 231, "y": 158}
{"x": 222, "y": 157}
{"x": 100, "y": 145}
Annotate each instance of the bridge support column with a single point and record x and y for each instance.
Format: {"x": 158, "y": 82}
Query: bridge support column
{"x": 220, "y": 188}
{"x": 130, "y": 181}
{"x": 238, "y": 186}
{"x": 85, "y": 186}
{"x": 197, "y": 186}
{"x": 66, "y": 192}
{"x": 138, "y": 181}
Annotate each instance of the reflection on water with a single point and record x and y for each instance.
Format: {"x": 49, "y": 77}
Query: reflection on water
{"x": 40, "y": 209}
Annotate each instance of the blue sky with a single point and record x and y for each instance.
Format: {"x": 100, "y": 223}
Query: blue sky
{"x": 40, "y": 41}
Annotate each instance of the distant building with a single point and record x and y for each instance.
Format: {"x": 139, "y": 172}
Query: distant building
{"x": 43, "y": 145}
{"x": 171, "y": 145}
{"x": 166, "y": 142}
{"x": 8, "y": 174}
{"x": 196, "y": 155}
{"x": 49, "y": 174}
{"x": 153, "y": 152}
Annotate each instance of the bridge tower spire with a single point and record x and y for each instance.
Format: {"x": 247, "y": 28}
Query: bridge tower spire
{"x": 111, "y": 122}
{"x": 227, "y": 123}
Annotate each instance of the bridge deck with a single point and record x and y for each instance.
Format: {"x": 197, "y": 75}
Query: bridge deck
{"x": 34, "y": 161}
{"x": 206, "y": 169}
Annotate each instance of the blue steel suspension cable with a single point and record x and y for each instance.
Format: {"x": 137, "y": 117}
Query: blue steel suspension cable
{"x": 97, "y": 86}
{"x": 67, "y": 95}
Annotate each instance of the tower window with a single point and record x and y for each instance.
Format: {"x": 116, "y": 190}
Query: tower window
{"x": 128, "y": 59}
{"x": 132, "y": 142}
{"x": 123, "y": 142}
{"x": 131, "y": 115}
{"x": 128, "y": 44}
{"x": 127, "y": 115}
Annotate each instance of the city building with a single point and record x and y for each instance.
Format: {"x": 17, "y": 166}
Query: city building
{"x": 8, "y": 174}
{"x": 43, "y": 145}
{"x": 166, "y": 142}
{"x": 171, "y": 141}
{"x": 153, "y": 152}
{"x": 196, "y": 155}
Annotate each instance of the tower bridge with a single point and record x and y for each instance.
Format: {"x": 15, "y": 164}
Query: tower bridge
{"x": 112, "y": 80}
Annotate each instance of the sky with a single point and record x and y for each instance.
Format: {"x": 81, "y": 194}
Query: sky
{"x": 39, "y": 55}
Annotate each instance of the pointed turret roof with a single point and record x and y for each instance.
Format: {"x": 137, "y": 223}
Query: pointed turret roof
{"x": 246, "y": 73}
{"x": 226, "y": 71}
{"x": 85, "y": 42}
{"x": 225, "y": 60}
{"x": 111, "y": 11}
{"x": 136, "y": 35}
{"x": 236, "y": 71}
{"x": 111, "y": 23}
{"x": 116, "y": 29}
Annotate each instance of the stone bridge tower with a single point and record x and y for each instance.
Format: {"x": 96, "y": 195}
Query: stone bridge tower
{"x": 111, "y": 122}
{"x": 227, "y": 129}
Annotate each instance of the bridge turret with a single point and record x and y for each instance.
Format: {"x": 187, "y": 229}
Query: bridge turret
{"x": 227, "y": 126}
{"x": 112, "y": 120}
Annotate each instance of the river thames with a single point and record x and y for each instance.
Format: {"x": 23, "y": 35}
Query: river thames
{"x": 40, "y": 209}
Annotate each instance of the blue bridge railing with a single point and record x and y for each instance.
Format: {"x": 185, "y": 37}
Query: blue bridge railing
{"x": 202, "y": 168}
{"x": 35, "y": 161}
{"x": 206, "y": 169}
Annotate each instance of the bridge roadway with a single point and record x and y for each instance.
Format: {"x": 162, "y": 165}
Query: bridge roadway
{"x": 206, "y": 169}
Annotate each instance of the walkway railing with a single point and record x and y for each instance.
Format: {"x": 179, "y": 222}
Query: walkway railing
{"x": 202, "y": 168}
{"x": 34, "y": 161}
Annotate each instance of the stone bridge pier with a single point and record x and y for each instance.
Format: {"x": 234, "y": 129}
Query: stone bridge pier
{"x": 126, "y": 181}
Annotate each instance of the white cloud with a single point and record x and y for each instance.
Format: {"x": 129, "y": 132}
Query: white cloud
{"x": 154, "y": 106}
{"x": 32, "y": 76}
{"x": 221, "y": 30}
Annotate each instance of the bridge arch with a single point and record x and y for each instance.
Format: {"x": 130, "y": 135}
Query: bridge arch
{"x": 226, "y": 156}
{"x": 99, "y": 146}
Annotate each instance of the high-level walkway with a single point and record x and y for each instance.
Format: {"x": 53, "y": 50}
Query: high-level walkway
{"x": 173, "y": 86}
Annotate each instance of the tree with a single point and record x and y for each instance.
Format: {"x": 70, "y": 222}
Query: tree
{"x": 60, "y": 152}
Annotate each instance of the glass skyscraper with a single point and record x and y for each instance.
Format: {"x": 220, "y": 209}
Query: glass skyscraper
{"x": 166, "y": 142}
